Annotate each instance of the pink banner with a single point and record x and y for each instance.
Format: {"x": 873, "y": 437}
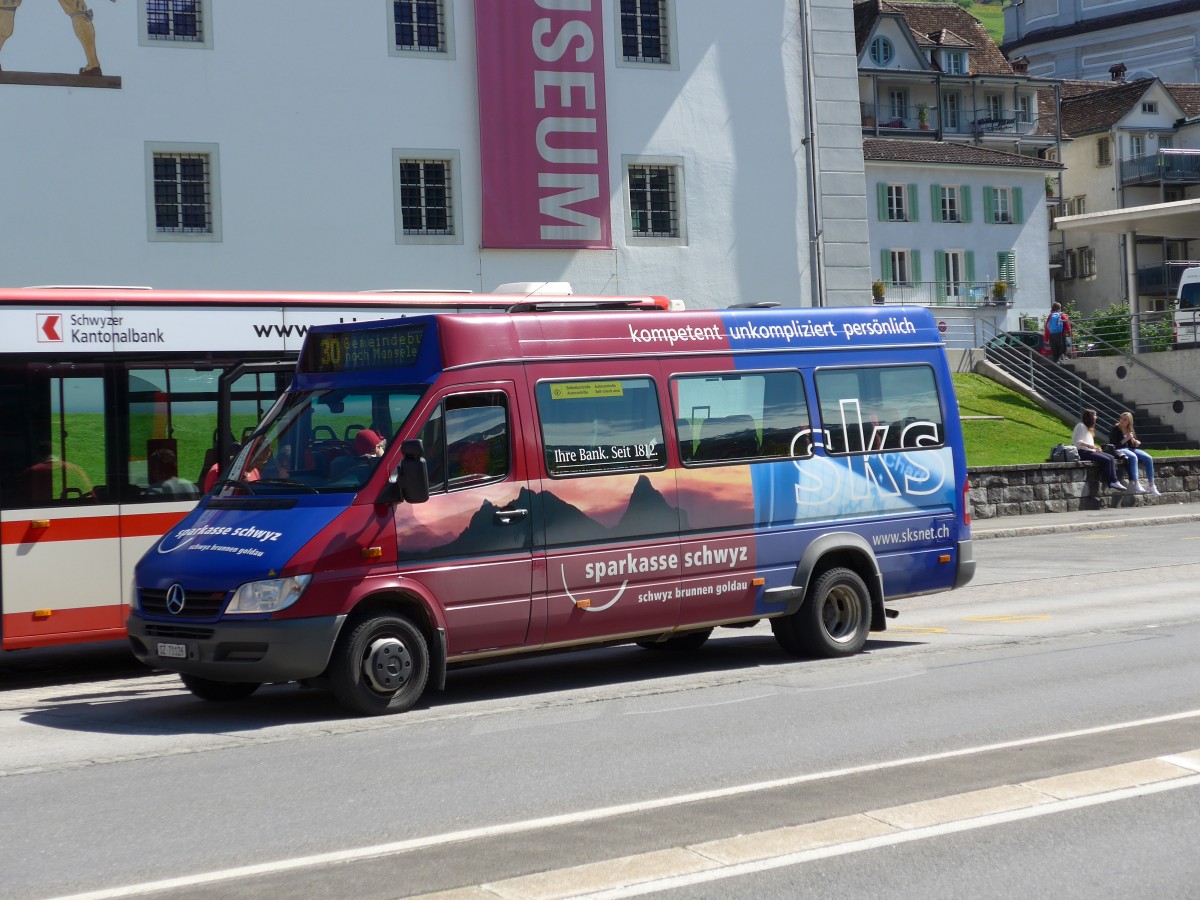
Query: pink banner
{"x": 542, "y": 132}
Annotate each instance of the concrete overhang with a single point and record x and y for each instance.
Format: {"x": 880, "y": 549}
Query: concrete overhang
{"x": 1180, "y": 219}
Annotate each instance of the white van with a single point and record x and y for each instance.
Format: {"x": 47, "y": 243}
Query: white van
{"x": 1187, "y": 309}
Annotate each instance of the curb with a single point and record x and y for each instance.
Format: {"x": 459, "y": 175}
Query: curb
{"x": 1103, "y": 525}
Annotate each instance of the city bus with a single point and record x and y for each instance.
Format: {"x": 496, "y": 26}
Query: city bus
{"x": 112, "y": 417}
{"x": 447, "y": 490}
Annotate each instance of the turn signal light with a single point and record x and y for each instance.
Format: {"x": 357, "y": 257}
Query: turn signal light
{"x": 372, "y": 552}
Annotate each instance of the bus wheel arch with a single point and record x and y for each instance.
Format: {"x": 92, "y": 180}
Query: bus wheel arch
{"x": 385, "y": 655}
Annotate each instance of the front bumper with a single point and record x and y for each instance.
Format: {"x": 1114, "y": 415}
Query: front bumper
{"x": 261, "y": 651}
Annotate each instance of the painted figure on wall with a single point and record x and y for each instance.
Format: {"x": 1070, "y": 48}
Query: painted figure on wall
{"x": 81, "y": 21}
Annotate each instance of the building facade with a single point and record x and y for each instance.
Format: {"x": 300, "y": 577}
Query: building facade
{"x": 954, "y": 142}
{"x": 1131, "y": 144}
{"x": 1082, "y": 39}
{"x": 624, "y": 146}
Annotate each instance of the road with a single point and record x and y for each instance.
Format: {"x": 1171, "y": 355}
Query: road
{"x": 1034, "y": 732}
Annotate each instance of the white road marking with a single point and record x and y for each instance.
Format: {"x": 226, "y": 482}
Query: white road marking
{"x": 592, "y": 815}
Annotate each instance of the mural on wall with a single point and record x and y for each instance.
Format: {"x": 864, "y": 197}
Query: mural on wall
{"x": 81, "y": 22}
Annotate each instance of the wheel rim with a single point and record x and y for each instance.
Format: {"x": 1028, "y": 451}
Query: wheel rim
{"x": 841, "y": 614}
{"x": 387, "y": 665}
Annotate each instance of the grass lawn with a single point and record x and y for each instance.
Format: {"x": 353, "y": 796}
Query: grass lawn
{"x": 1025, "y": 434}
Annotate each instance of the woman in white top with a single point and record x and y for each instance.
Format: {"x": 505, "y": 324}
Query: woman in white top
{"x": 1084, "y": 438}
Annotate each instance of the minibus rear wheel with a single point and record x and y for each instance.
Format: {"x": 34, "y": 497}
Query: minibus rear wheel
{"x": 218, "y": 691}
{"x": 380, "y": 665}
{"x": 832, "y": 621}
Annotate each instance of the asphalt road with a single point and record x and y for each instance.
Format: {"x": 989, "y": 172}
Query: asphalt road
{"x": 616, "y": 770}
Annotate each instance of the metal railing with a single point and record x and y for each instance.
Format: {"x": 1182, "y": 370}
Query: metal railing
{"x": 1176, "y": 166}
{"x": 887, "y": 120}
{"x": 946, "y": 293}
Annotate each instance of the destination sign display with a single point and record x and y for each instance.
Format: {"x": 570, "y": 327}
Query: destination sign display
{"x": 362, "y": 350}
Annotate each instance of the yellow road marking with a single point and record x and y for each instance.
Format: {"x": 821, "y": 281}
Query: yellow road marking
{"x": 1006, "y": 618}
{"x": 916, "y": 629}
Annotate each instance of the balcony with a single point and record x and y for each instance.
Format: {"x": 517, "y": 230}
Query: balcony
{"x": 885, "y": 120}
{"x": 944, "y": 293}
{"x": 1164, "y": 167}
{"x": 1162, "y": 279}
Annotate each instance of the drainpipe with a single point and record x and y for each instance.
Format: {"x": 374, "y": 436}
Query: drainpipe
{"x": 815, "y": 238}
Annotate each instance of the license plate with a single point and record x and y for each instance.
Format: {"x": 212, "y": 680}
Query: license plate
{"x": 173, "y": 651}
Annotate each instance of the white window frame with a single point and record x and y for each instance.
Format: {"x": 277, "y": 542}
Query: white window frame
{"x": 1137, "y": 146}
{"x": 956, "y": 265}
{"x": 1087, "y": 262}
{"x": 146, "y": 39}
{"x": 897, "y": 202}
{"x": 955, "y": 61}
{"x": 1068, "y": 267}
{"x": 451, "y": 159}
{"x": 951, "y": 203}
{"x": 901, "y": 265}
{"x": 993, "y": 105}
{"x": 898, "y": 110}
{"x": 1002, "y": 206}
{"x": 951, "y": 110}
{"x": 1150, "y": 106}
{"x": 1024, "y": 109}
{"x": 446, "y": 52}
{"x": 670, "y": 45}
{"x": 210, "y": 151}
{"x": 675, "y": 163}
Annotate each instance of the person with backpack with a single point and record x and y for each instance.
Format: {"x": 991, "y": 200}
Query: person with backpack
{"x": 1058, "y": 329}
{"x": 1084, "y": 438}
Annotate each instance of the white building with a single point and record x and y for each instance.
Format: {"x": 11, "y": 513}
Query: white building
{"x": 1082, "y": 39}
{"x": 1131, "y": 144}
{"x": 953, "y": 137}
{"x": 662, "y": 147}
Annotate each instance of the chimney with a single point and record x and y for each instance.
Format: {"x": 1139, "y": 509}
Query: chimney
{"x": 1117, "y": 72}
{"x": 1020, "y": 65}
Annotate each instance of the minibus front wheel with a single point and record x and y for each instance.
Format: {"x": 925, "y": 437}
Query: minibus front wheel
{"x": 832, "y": 621}
{"x": 380, "y": 665}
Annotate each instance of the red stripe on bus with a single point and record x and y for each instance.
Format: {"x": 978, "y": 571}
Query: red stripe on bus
{"x": 22, "y": 531}
{"x": 94, "y": 623}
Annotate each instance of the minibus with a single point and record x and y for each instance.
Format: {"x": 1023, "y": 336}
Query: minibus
{"x": 1187, "y": 309}
{"x": 450, "y": 489}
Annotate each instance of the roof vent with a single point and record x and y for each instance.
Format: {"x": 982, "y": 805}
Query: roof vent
{"x": 1117, "y": 71}
{"x": 1020, "y": 65}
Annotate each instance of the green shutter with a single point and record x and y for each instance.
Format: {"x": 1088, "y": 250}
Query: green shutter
{"x": 912, "y": 203}
{"x": 939, "y": 266}
{"x": 881, "y": 195}
{"x": 989, "y": 204}
{"x": 964, "y": 203}
{"x": 1018, "y": 207}
{"x": 916, "y": 265}
{"x": 935, "y": 202}
{"x": 885, "y": 266}
{"x": 970, "y": 254}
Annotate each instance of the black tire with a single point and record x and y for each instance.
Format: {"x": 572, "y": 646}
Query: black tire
{"x": 380, "y": 665}
{"x": 218, "y": 691}
{"x": 692, "y": 640}
{"x": 833, "y": 620}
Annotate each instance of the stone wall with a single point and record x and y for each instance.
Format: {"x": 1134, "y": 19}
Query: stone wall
{"x": 1064, "y": 487}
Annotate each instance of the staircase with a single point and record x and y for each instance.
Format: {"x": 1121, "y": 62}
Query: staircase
{"x": 1068, "y": 394}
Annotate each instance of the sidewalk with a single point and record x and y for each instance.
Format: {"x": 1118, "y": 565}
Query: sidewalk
{"x": 1084, "y": 520}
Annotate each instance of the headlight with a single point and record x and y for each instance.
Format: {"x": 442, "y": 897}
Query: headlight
{"x": 268, "y": 596}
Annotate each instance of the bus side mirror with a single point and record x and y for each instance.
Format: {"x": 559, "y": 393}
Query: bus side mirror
{"x": 410, "y": 480}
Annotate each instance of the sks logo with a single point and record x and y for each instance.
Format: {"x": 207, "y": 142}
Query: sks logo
{"x": 49, "y": 327}
{"x": 898, "y": 473}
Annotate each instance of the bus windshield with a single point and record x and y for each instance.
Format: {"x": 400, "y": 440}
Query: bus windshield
{"x": 1189, "y": 296}
{"x": 321, "y": 441}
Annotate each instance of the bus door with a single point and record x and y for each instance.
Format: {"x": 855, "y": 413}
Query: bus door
{"x": 609, "y": 517}
{"x": 59, "y": 526}
{"x": 471, "y": 544}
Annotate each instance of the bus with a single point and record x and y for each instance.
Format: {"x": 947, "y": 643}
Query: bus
{"x": 1187, "y": 309}
{"x": 116, "y": 403}
{"x": 447, "y": 490}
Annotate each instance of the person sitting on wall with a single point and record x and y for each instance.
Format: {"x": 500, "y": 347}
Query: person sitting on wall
{"x": 1084, "y": 438}
{"x": 1126, "y": 444}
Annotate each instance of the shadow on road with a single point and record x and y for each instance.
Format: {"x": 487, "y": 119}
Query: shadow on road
{"x": 163, "y": 707}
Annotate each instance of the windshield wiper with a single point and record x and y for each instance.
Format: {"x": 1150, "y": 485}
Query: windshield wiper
{"x": 289, "y": 482}
{"x": 237, "y": 483}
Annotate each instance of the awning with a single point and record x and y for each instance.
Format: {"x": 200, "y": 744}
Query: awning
{"x": 1180, "y": 219}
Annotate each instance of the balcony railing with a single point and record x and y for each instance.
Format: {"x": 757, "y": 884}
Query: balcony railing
{"x": 1172, "y": 166}
{"x": 1162, "y": 278}
{"x": 946, "y": 293}
{"x": 886, "y": 120}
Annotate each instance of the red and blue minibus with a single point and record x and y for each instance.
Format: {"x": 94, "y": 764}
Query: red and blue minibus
{"x": 445, "y": 489}
{"x": 115, "y": 402}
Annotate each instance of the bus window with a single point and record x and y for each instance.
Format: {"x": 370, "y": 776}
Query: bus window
{"x": 740, "y": 417}
{"x": 54, "y": 442}
{"x": 879, "y": 408}
{"x": 172, "y": 416}
{"x": 603, "y": 425}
